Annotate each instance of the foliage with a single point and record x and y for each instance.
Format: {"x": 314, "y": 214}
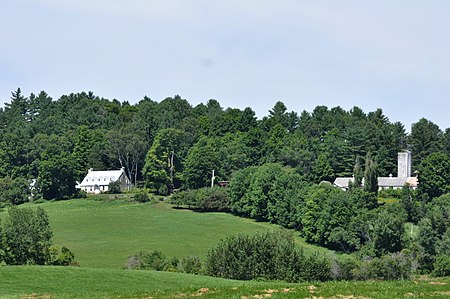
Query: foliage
{"x": 370, "y": 175}
{"x": 385, "y": 233}
{"x": 164, "y": 160}
{"x": 441, "y": 266}
{"x": 187, "y": 197}
{"x": 273, "y": 164}
{"x": 191, "y": 265}
{"x": 141, "y": 196}
{"x": 267, "y": 193}
{"x": 434, "y": 232}
{"x": 114, "y": 187}
{"x": 61, "y": 256}
{"x": 410, "y": 203}
{"x": 27, "y": 237}
{"x": 345, "y": 267}
{"x": 143, "y": 260}
{"x": 434, "y": 175}
{"x": 201, "y": 160}
{"x": 203, "y": 199}
{"x": 212, "y": 199}
{"x": 268, "y": 255}
{"x": 425, "y": 139}
{"x": 13, "y": 191}
{"x": 156, "y": 260}
{"x": 395, "y": 266}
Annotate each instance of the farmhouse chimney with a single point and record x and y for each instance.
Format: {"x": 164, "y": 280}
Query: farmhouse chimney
{"x": 90, "y": 169}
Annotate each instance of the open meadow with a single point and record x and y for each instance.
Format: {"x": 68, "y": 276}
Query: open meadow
{"x": 73, "y": 282}
{"x": 103, "y": 232}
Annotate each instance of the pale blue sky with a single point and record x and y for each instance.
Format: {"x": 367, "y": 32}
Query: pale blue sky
{"x": 392, "y": 55}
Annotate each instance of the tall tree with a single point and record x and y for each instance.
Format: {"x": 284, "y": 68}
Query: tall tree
{"x": 434, "y": 175}
{"x": 18, "y": 108}
{"x": 57, "y": 176}
{"x": 127, "y": 148}
{"x": 201, "y": 160}
{"x": 425, "y": 138}
{"x": 370, "y": 175}
{"x": 163, "y": 162}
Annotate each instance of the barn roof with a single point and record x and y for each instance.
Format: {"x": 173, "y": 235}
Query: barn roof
{"x": 383, "y": 182}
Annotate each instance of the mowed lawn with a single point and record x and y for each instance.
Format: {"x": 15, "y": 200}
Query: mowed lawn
{"x": 74, "y": 282}
{"x": 103, "y": 234}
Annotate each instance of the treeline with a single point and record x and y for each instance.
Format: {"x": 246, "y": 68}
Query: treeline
{"x": 273, "y": 255}
{"x": 354, "y": 221}
{"x": 171, "y": 144}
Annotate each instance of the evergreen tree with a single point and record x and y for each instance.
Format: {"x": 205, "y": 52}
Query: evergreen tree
{"x": 370, "y": 175}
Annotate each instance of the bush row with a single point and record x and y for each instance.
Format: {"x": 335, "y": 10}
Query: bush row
{"x": 156, "y": 260}
{"x": 203, "y": 199}
{"x": 273, "y": 255}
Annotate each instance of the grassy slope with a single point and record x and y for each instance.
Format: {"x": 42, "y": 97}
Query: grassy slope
{"x": 67, "y": 282}
{"x": 103, "y": 234}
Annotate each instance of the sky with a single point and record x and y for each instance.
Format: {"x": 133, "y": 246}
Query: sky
{"x": 392, "y": 55}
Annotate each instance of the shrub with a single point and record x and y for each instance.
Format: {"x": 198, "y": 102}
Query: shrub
{"x": 270, "y": 255}
{"x": 144, "y": 260}
{"x": 441, "y": 266}
{"x": 344, "y": 267}
{"x": 188, "y": 198}
{"x": 204, "y": 199}
{"x": 62, "y": 257}
{"x": 317, "y": 267}
{"x": 173, "y": 265}
{"x": 80, "y": 194}
{"x": 390, "y": 193}
{"x": 212, "y": 199}
{"x": 141, "y": 197}
{"x": 163, "y": 190}
{"x": 395, "y": 266}
{"x": 114, "y": 188}
{"x": 191, "y": 264}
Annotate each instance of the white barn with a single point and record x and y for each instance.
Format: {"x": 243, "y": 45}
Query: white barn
{"x": 98, "y": 181}
{"x": 403, "y": 178}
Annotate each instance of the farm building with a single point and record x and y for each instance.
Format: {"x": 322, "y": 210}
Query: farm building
{"x": 98, "y": 181}
{"x": 403, "y": 178}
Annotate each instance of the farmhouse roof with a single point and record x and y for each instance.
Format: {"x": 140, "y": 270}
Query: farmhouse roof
{"x": 102, "y": 177}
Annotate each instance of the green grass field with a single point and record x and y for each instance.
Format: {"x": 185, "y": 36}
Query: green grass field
{"x": 104, "y": 233}
{"x": 72, "y": 282}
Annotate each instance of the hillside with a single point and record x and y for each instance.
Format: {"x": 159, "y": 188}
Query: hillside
{"x": 102, "y": 234}
{"x": 72, "y": 282}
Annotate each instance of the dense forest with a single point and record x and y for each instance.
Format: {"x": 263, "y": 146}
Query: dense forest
{"x": 275, "y": 165}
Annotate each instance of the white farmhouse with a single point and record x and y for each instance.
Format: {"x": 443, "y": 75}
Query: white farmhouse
{"x": 98, "y": 181}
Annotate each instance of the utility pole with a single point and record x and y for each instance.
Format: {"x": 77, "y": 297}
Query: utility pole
{"x": 212, "y": 179}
